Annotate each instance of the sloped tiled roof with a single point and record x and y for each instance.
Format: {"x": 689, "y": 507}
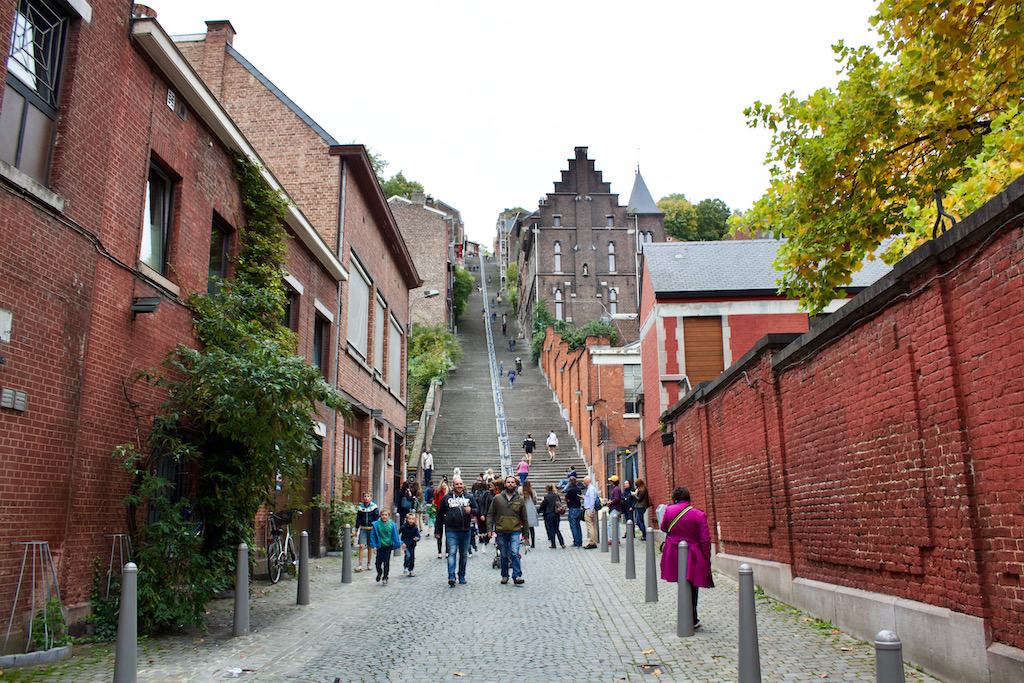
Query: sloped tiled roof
{"x": 640, "y": 200}
{"x": 727, "y": 266}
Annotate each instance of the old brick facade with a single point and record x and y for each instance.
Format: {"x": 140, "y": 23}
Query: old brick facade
{"x": 432, "y": 235}
{"x": 871, "y": 468}
{"x": 131, "y": 119}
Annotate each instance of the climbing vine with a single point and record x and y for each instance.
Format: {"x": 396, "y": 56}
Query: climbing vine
{"x": 240, "y": 412}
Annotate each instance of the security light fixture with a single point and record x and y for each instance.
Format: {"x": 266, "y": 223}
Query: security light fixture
{"x": 429, "y": 293}
{"x": 144, "y": 304}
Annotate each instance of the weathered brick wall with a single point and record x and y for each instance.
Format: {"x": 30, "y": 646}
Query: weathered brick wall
{"x": 888, "y": 439}
{"x": 426, "y": 234}
{"x": 745, "y": 330}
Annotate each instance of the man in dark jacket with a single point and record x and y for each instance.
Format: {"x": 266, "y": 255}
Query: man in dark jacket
{"x": 454, "y": 518}
{"x": 574, "y": 501}
{"x": 614, "y": 503}
{"x": 506, "y": 521}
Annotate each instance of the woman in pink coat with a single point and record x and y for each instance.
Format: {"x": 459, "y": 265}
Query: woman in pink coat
{"x": 683, "y": 522}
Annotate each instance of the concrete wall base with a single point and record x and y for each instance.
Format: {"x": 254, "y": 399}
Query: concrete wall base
{"x": 947, "y": 644}
{"x": 54, "y": 654}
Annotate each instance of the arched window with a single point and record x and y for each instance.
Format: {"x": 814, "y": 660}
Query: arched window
{"x": 558, "y": 304}
{"x": 611, "y": 257}
{"x": 613, "y": 301}
{"x": 558, "y": 257}
{"x": 649, "y": 237}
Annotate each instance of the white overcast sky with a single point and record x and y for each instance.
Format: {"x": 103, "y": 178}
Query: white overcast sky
{"x": 483, "y": 102}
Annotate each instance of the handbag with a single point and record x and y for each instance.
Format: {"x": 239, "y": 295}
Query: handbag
{"x": 560, "y": 508}
{"x": 661, "y": 547}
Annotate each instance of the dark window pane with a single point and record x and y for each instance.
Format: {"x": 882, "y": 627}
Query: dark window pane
{"x": 218, "y": 257}
{"x": 10, "y": 124}
{"x": 35, "y": 145}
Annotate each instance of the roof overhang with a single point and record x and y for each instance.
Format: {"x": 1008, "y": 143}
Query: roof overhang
{"x": 161, "y": 50}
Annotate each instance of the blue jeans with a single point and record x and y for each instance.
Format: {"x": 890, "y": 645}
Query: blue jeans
{"x": 575, "y": 515}
{"x": 458, "y": 542}
{"x": 508, "y": 549}
{"x": 522, "y": 477}
{"x": 641, "y": 521}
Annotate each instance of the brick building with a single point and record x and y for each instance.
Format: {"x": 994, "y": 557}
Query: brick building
{"x": 336, "y": 187}
{"x": 435, "y": 236}
{"x": 869, "y": 469}
{"x": 123, "y": 197}
{"x": 578, "y": 251}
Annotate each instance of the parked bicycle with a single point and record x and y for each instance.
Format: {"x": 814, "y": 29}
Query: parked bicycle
{"x": 281, "y": 551}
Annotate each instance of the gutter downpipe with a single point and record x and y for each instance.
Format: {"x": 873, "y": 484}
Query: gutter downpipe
{"x": 337, "y": 309}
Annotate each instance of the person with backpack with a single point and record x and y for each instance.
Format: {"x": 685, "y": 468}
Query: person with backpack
{"x": 683, "y": 522}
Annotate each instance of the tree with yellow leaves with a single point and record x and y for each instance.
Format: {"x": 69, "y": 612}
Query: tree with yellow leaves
{"x": 935, "y": 106}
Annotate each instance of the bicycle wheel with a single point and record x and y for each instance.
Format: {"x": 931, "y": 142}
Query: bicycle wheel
{"x": 275, "y": 561}
{"x": 293, "y": 565}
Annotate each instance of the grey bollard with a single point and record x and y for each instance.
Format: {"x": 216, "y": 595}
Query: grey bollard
{"x": 749, "y": 654}
{"x": 241, "y": 627}
{"x": 684, "y": 602}
{"x": 888, "y": 658}
{"x": 302, "y": 598}
{"x": 630, "y": 552}
{"x": 602, "y": 530}
{"x": 651, "y": 571}
{"x": 615, "y": 537}
{"x": 126, "y": 658}
{"x": 346, "y": 555}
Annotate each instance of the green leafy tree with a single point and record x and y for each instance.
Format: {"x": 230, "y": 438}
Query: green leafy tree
{"x": 935, "y": 105}
{"x": 464, "y": 284}
{"x": 680, "y": 217}
{"x": 712, "y": 219}
{"x": 575, "y": 337}
{"x": 511, "y": 213}
{"x": 398, "y": 186}
{"x": 432, "y": 352}
{"x": 241, "y": 409}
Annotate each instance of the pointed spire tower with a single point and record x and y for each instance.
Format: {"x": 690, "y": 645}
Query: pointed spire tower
{"x": 640, "y": 200}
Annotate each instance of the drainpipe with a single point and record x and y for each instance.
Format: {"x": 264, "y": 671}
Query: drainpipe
{"x": 337, "y": 314}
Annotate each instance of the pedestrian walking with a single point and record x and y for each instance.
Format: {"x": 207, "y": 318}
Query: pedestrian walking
{"x": 519, "y": 365}
{"x": 628, "y": 501}
{"x": 454, "y": 520}
{"x": 528, "y": 445}
{"x": 427, "y": 463}
{"x": 532, "y": 519}
{"x": 419, "y": 508}
{"x": 410, "y": 535}
{"x": 439, "y": 494}
{"x": 683, "y": 522}
{"x": 614, "y": 503}
{"x": 384, "y": 538}
{"x": 574, "y": 505}
{"x": 591, "y": 499}
{"x": 549, "y": 509}
{"x": 511, "y": 378}
{"x": 507, "y": 523}
{"x": 494, "y": 318}
{"x": 366, "y": 514}
{"x": 504, "y": 329}
{"x": 523, "y": 469}
{"x": 501, "y": 368}
{"x": 406, "y": 501}
{"x": 643, "y": 501}
{"x": 552, "y": 444}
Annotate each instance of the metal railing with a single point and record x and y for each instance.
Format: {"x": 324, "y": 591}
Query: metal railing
{"x": 501, "y": 426}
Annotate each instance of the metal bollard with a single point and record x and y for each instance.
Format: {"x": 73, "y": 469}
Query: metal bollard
{"x": 615, "y": 537}
{"x": 750, "y": 656}
{"x": 346, "y": 555}
{"x": 126, "y": 658}
{"x": 302, "y": 598}
{"x": 602, "y": 530}
{"x": 651, "y": 571}
{"x": 241, "y": 627}
{"x": 888, "y": 658}
{"x": 684, "y": 601}
{"x": 630, "y": 553}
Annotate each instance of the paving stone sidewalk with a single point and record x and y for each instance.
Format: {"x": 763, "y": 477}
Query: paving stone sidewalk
{"x": 576, "y": 619}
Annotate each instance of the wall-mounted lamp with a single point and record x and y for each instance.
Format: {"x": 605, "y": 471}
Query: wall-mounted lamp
{"x": 144, "y": 304}
{"x": 428, "y": 294}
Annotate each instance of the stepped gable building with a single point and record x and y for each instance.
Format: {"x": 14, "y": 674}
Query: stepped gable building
{"x": 435, "y": 236}
{"x": 118, "y": 199}
{"x": 578, "y": 251}
{"x": 336, "y": 187}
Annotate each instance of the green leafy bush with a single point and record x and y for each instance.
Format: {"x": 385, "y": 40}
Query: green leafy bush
{"x": 432, "y": 352}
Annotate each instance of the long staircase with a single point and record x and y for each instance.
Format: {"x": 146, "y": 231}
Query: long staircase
{"x": 467, "y": 432}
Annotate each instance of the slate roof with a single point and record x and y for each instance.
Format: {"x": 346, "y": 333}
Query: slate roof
{"x": 731, "y": 266}
{"x": 640, "y": 199}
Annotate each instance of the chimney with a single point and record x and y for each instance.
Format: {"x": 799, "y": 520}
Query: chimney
{"x": 219, "y": 35}
{"x": 418, "y": 198}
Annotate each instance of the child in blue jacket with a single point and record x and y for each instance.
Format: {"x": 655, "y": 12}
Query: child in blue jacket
{"x": 384, "y": 538}
{"x": 410, "y": 534}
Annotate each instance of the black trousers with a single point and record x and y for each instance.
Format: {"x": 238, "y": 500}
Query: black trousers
{"x": 383, "y": 562}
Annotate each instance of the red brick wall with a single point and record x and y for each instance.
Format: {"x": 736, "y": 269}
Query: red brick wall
{"x": 882, "y": 451}
{"x": 745, "y": 330}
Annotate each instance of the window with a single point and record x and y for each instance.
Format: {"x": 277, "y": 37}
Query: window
{"x": 379, "y": 325}
{"x": 609, "y": 221}
{"x": 219, "y": 250}
{"x": 291, "y": 309}
{"x": 632, "y": 384}
{"x": 556, "y": 221}
{"x": 353, "y": 447}
{"x": 321, "y": 342}
{"x": 30, "y": 92}
{"x": 613, "y": 301}
{"x": 558, "y": 304}
{"x": 156, "y": 221}
{"x": 358, "y": 308}
{"x": 558, "y": 257}
{"x": 395, "y": 346}
{"x": 611, "y": 257}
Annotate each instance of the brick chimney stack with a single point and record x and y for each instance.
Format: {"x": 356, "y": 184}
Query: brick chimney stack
{"x": 219, "y": 35}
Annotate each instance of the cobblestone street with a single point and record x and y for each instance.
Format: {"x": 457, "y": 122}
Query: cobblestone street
{"x": 576, "y": 618}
